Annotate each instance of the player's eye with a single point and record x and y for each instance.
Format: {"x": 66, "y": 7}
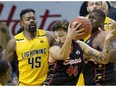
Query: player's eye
{"x": 33, "y": 18}
{"x": 27, "y": 19}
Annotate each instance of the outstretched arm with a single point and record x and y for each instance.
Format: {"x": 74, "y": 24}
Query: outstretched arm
{"x": 99, "y": 57}
{"x": 10, "y": 50}
{"x": 113, "y": 44}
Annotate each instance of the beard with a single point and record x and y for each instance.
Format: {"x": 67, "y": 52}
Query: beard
{"x": 32, "y": 27}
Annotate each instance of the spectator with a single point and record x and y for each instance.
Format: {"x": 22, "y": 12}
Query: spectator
{"x": 111, "y": 12}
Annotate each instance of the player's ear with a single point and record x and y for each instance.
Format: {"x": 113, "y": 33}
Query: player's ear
{"x": 21, "y": 23}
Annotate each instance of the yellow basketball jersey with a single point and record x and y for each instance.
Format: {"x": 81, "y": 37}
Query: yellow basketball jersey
{"x": 32, "y": 58}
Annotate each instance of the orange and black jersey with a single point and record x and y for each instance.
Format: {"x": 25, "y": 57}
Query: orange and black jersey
{"x": 98, "y": 74}
{"x": 50, "y": 73}
{"x": 67, "y": 71}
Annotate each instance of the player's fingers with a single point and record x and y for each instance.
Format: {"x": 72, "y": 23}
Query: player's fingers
{"x": 100, "y": 29}
{"x": 74, "y": 24}
{"x": 80, "y": 33}
{"x": 80, "y": 30}
{"x": 77, "y": 26}
{"x": 113, "y": 31}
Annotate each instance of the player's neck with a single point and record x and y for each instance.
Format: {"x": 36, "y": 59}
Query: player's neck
{"x": 29, "y": 35}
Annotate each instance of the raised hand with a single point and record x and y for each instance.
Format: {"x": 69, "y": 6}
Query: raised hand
{"x": 74, "y": 31}
{"x": 110, "y": 34}
{"x": 113, "y": 26}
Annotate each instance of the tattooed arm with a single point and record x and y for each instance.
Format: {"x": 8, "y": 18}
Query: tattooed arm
{"x": 99, "y": 57}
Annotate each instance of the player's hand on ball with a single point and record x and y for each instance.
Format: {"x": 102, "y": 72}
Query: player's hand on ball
{"x": 74, "y": 31}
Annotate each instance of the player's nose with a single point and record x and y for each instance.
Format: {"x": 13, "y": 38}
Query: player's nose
{"x": 58, "y": 39}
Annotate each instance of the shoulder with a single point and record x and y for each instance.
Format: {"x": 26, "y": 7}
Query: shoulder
{"x": 41, "y": 32}
{"x": 12, "y": 41}
{"x": 48, "y": 33}
{"x": 11, "y": 44}
{"x": 50, "y": 37}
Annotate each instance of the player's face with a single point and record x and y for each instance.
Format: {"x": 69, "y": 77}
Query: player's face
{"x": 95, "y": 20}
{"x": 94, "y": 5}
{"x": 29, "y": 22}
{"x": 60, "y": 35}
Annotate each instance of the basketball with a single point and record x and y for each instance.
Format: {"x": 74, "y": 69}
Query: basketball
{"x": 85, "y": 23}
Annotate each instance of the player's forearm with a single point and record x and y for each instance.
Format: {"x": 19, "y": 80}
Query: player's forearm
{"x": 65, "y": 51}
{"x": 101, "y": 57}
{"x": 106, "y": 51}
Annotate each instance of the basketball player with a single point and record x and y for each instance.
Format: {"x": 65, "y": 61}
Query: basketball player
{"x": 69, "y": 61}
{"x": 31, "y": 46}
{"x": 5, "y": 72}
{"x": 91, "y": 5}
{"x": 96, "y": 73}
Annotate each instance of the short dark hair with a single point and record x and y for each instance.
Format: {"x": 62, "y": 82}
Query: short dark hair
{"x": 83, "y": 9}
{"x": 100, "y": 13}
{"x": 60, "y": 24}
{"x": 3, "y": 67}
{"x": 24, "y": 11}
